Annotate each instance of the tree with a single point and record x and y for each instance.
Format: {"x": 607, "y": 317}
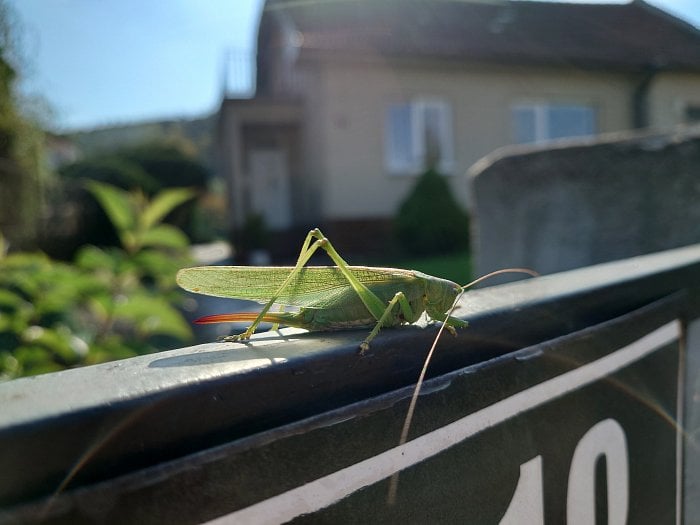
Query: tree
{"x": 22, "y": 172}
{"x": 430, "y": 221}
{"x": 168, "y": 164}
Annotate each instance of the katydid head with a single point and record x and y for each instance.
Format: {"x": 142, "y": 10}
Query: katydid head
{"x": 462, "y": 289}
{"x": 440, "y": 295}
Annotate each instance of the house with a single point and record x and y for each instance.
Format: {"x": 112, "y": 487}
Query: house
{"x": 354, "y": 96}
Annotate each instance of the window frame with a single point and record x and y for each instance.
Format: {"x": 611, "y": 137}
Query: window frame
{"x": 542, "y": 113}
{"x": 418, "y": 108}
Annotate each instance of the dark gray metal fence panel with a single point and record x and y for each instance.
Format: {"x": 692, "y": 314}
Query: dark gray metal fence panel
{"x": 193, "y": 434}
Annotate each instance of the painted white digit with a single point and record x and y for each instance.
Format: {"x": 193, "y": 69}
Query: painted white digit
{"x": 527, "y": 504}
{"x": 606, "y": 438}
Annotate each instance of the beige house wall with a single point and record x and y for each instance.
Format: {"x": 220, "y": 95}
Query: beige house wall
{"x": 347, "y": 130}
{"x": 313, "y": 156}
{"x": 669, "y": 96}
{"x": 236, "y": 114}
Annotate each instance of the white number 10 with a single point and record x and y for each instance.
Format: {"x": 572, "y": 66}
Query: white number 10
{"x": 604, "y": 439}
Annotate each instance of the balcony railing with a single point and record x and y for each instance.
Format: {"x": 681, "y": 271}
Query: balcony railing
{"x": 239, "y": 73}
{"x": 554, "y": 374}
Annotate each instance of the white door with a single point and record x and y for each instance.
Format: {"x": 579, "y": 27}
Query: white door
{"x": 269, "y": 175}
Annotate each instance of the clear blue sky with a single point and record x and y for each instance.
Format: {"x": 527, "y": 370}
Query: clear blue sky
{"x": 103, "y": 62}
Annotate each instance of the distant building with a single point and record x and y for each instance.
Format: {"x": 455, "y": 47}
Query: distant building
{"x": 352, "y": 96}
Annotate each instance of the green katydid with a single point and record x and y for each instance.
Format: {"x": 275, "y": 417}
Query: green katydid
{"x": 329, "y": 297}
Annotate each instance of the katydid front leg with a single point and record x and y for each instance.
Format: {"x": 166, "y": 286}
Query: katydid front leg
{"x": 406, "y": 309}
{"x": 452, "y": 323}
{"x": 307, "y": 250}
{"x": 304, "y": 248}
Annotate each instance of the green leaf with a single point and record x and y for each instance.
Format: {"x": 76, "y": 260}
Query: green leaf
{"x": 164, "y": 236}
{"x": 116, "y": 204}
{"x": 163, "y": 203}
{"x": 24, "y": 260}
{"x": 160, "y": 267}
{"x": 9, "y": 366}
{"x": 59, "y": 341}
{"x": 35, "y": 359}
{"x": 114, "y": 347}
{"x": 10, "y": 300}
{"x": 96, "y": 259}
{"x": 153, "y": 315}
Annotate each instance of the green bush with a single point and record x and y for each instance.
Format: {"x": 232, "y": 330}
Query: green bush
{"x": 430, "y": 221}
{"x": 115, "y": 170}
{"x": 92, "y": 226}
{"x": 171, "y": 167}
{"x": 149, "y": 168}
{"x": 109, "y": 304}
{"x": 167, "y": 164}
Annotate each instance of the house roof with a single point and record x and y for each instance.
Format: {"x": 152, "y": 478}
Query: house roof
{"x": 634, "y": 35}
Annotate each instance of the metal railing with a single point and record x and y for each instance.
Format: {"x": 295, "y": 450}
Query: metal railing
{"x": 299, "y": 424}
{"x": 238, "y": 73}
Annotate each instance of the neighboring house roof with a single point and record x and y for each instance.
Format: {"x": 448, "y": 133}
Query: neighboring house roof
{"x": 628, "y": 36}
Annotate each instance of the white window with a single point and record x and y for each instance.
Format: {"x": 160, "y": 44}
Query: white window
{"x": 416, "y": 133}
{"x": 543, "y": 122}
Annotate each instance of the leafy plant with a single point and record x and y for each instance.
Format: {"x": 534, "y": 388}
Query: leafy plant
{"x": 138, "y": 221}
{"x": 148, "y": 168}
{"x": 41, "y": 308}
{"x": 168, "y": 164}
{"x": 111, "y": 303}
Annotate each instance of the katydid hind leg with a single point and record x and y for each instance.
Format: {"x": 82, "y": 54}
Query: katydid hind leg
{"x": 304, "y": 247}
{"x": 374, "y": 305}
{"x": 307, "y": 250}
